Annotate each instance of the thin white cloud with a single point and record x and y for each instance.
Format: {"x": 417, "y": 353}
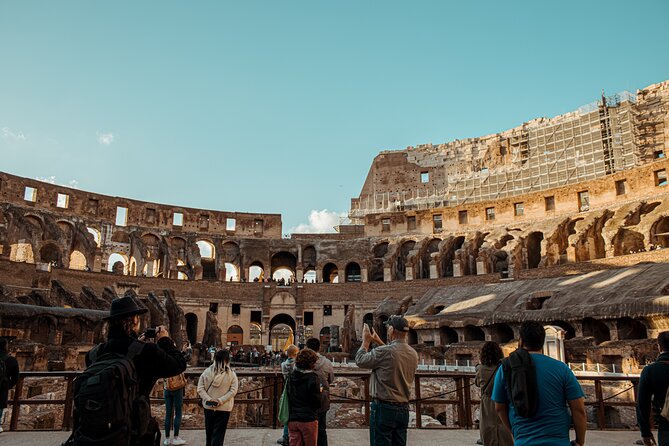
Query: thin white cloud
{"x": 105, "y": 138}
{"x": 321, "y": 222}
{"x": 74, "y": 184}
{"x": 7, "y": 133}
{"x": 51, "y": 179}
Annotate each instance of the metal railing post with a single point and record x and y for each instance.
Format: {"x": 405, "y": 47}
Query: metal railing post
{"x": 14, "y": 421}
{"x": 419, "y": 412}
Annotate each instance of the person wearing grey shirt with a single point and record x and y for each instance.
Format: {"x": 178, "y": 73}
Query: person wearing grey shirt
{"x": 393, "y": 369}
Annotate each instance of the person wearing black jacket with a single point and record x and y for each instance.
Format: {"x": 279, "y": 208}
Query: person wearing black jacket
{"x": 155, "y": 360}
{"x": 653, "y": 385}
{"x": 11, "y": 375}
{"x": 304, "y": 401}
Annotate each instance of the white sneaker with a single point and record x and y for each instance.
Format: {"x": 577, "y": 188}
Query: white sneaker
{"x": 167, "y": 441}
{"x": 1, "y": 429}
{"x": 178, "y": 441}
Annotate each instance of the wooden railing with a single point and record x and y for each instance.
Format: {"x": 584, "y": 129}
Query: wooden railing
{"x": 455, "y": 390}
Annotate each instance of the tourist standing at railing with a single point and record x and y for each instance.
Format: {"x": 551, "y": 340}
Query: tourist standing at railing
{"x": 287, "y": 367}
{"x": 304, "y": 400}
{"x": 9, "y": 375}
{"x": 217, "y": 387}
{"x": 393, "y": 369}
{"x": 653, "y": 385}
{"x": 551, "y": 390}
{"x": 493, "y": 432}
{"x": 325, "y": 372}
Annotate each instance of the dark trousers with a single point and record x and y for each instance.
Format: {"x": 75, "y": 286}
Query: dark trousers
{"x": 662, "y": 438}
{"x": 388, "y": 424}
{"x": 322, "y": 433}
{"x": 215, "y": 425}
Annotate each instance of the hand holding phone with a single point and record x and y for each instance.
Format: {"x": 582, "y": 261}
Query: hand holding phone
{"x": 212, "y": 403}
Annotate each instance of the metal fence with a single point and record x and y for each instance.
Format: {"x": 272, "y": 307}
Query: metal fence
{"x": 440, "y": 400}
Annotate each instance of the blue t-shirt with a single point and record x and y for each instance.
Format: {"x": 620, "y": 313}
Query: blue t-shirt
{"x": 550, "y": 425}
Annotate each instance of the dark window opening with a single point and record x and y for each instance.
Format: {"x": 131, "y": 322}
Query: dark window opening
{"x": 345, "y": 309}
{"x": 236, "y": 309}
{"x": 583, "y": 201}
{"x": 489, "y": 214}
{"x": 411, "y": 223}
{"x": 621, "y": 187}
{"x": 437, "y": 223}
{"x": 549, "y": 202}
{"x": 462, "y": 217}
{"x": 308, "y": 318}
{"x": 327, "y": 310}
{"x": 519, "y": 209}
{"x": 256, "y": 317}
{"x": 385, "y": 225}
{"x": 661, "y": 177}
{"x": 425, "y": 177}
{"x": 213, "y": 307}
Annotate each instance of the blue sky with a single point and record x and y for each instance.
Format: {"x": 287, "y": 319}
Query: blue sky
{"x": 281, "y": 106}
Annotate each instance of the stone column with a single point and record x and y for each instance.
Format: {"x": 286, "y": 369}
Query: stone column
{"x": 341, "y": 275}
{"x": 299, "y": 274}
{"x": 387, "y": 274}
{"x": 434, "y": 274}
{"x": 363, "y": 275}
{"x": 409, "y": 273}
{"x": 457, "y": 269}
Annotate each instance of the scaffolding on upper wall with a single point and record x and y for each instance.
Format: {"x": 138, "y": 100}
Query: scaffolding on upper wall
{"x": 613, "y": 134}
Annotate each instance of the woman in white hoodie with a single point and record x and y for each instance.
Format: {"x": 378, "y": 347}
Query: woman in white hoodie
{"x": 217, "y": 387}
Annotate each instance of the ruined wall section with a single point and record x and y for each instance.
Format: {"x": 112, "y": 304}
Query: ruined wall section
{"x": 102, "y": 209}
{"x": 612, "y": 135}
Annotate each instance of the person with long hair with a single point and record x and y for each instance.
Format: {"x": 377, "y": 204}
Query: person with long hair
{"x": 217, "y": 387}
{"x": 493, "y": 432}
{"x": 304, "y": 400}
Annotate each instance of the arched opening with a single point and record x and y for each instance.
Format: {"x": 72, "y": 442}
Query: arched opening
{"x": 78, "y": 261}
{"x": 352, "y": 272}
{"x": 597, "y": 329}
{"x": 207, "y": 259}
{"x": 501, "y": 333}
{"x": 118, "y": 264}
{"x": 449, "y": 255}
{"x": 629, "y": 328}
{"x": 474, "y": 333}
{"x": 191, "y": 328}
{"x": 255, "y": 334}
{"x": 256, "y": 272}
{"x": 534, "y": 249}
{"x": 285, "y": 263}
{"x": 281, "y": 329}
{"x": 310, "y": 276}
{"x": 309, "y": 257}
{"x": 627, "y": 241}
{"x": 660, "y": 233}
{"x": 180, "y": 274}
{"x": 376, "y": 265}
{"x": 570, "y": 332}
{"x": 412, "y": 338}
{"x": 426, "y": 258}
{"x": 401, "y": 262}
{"x": 97, "y": 238}
{"x": 330, "y": 273}
{"x": 324, "y": 336}
{"x": 50, "y": 253}
{"x": 231, "y": 273}
{"x": 235, "y": 335}
{"x": 283, "y": 276}
{"x": 447, "y": 336}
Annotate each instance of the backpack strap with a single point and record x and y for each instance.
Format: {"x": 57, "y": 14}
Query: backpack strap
{"x": 485, "y": 387}
{"x": 93, "y": 354}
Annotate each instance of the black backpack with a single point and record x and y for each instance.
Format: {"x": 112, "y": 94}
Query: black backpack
{"x": 520, "y": 377}
{"x": 108, "y": 408}
{"x": 3, "y": 371}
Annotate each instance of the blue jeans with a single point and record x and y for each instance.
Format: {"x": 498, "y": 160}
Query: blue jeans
{"x": 388, "y": 424}
{"x": 173, "y": 402}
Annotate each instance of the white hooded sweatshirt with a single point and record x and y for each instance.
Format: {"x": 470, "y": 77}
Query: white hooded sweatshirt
{"x": 221, "y": 386}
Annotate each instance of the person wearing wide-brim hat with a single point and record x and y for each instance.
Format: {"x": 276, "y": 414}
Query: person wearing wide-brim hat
{"x": 155, "y": 360}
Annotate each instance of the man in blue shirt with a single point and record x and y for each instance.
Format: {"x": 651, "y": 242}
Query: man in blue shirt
{"x": 653, "y": 386}
{"x": 557, "y": 389}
